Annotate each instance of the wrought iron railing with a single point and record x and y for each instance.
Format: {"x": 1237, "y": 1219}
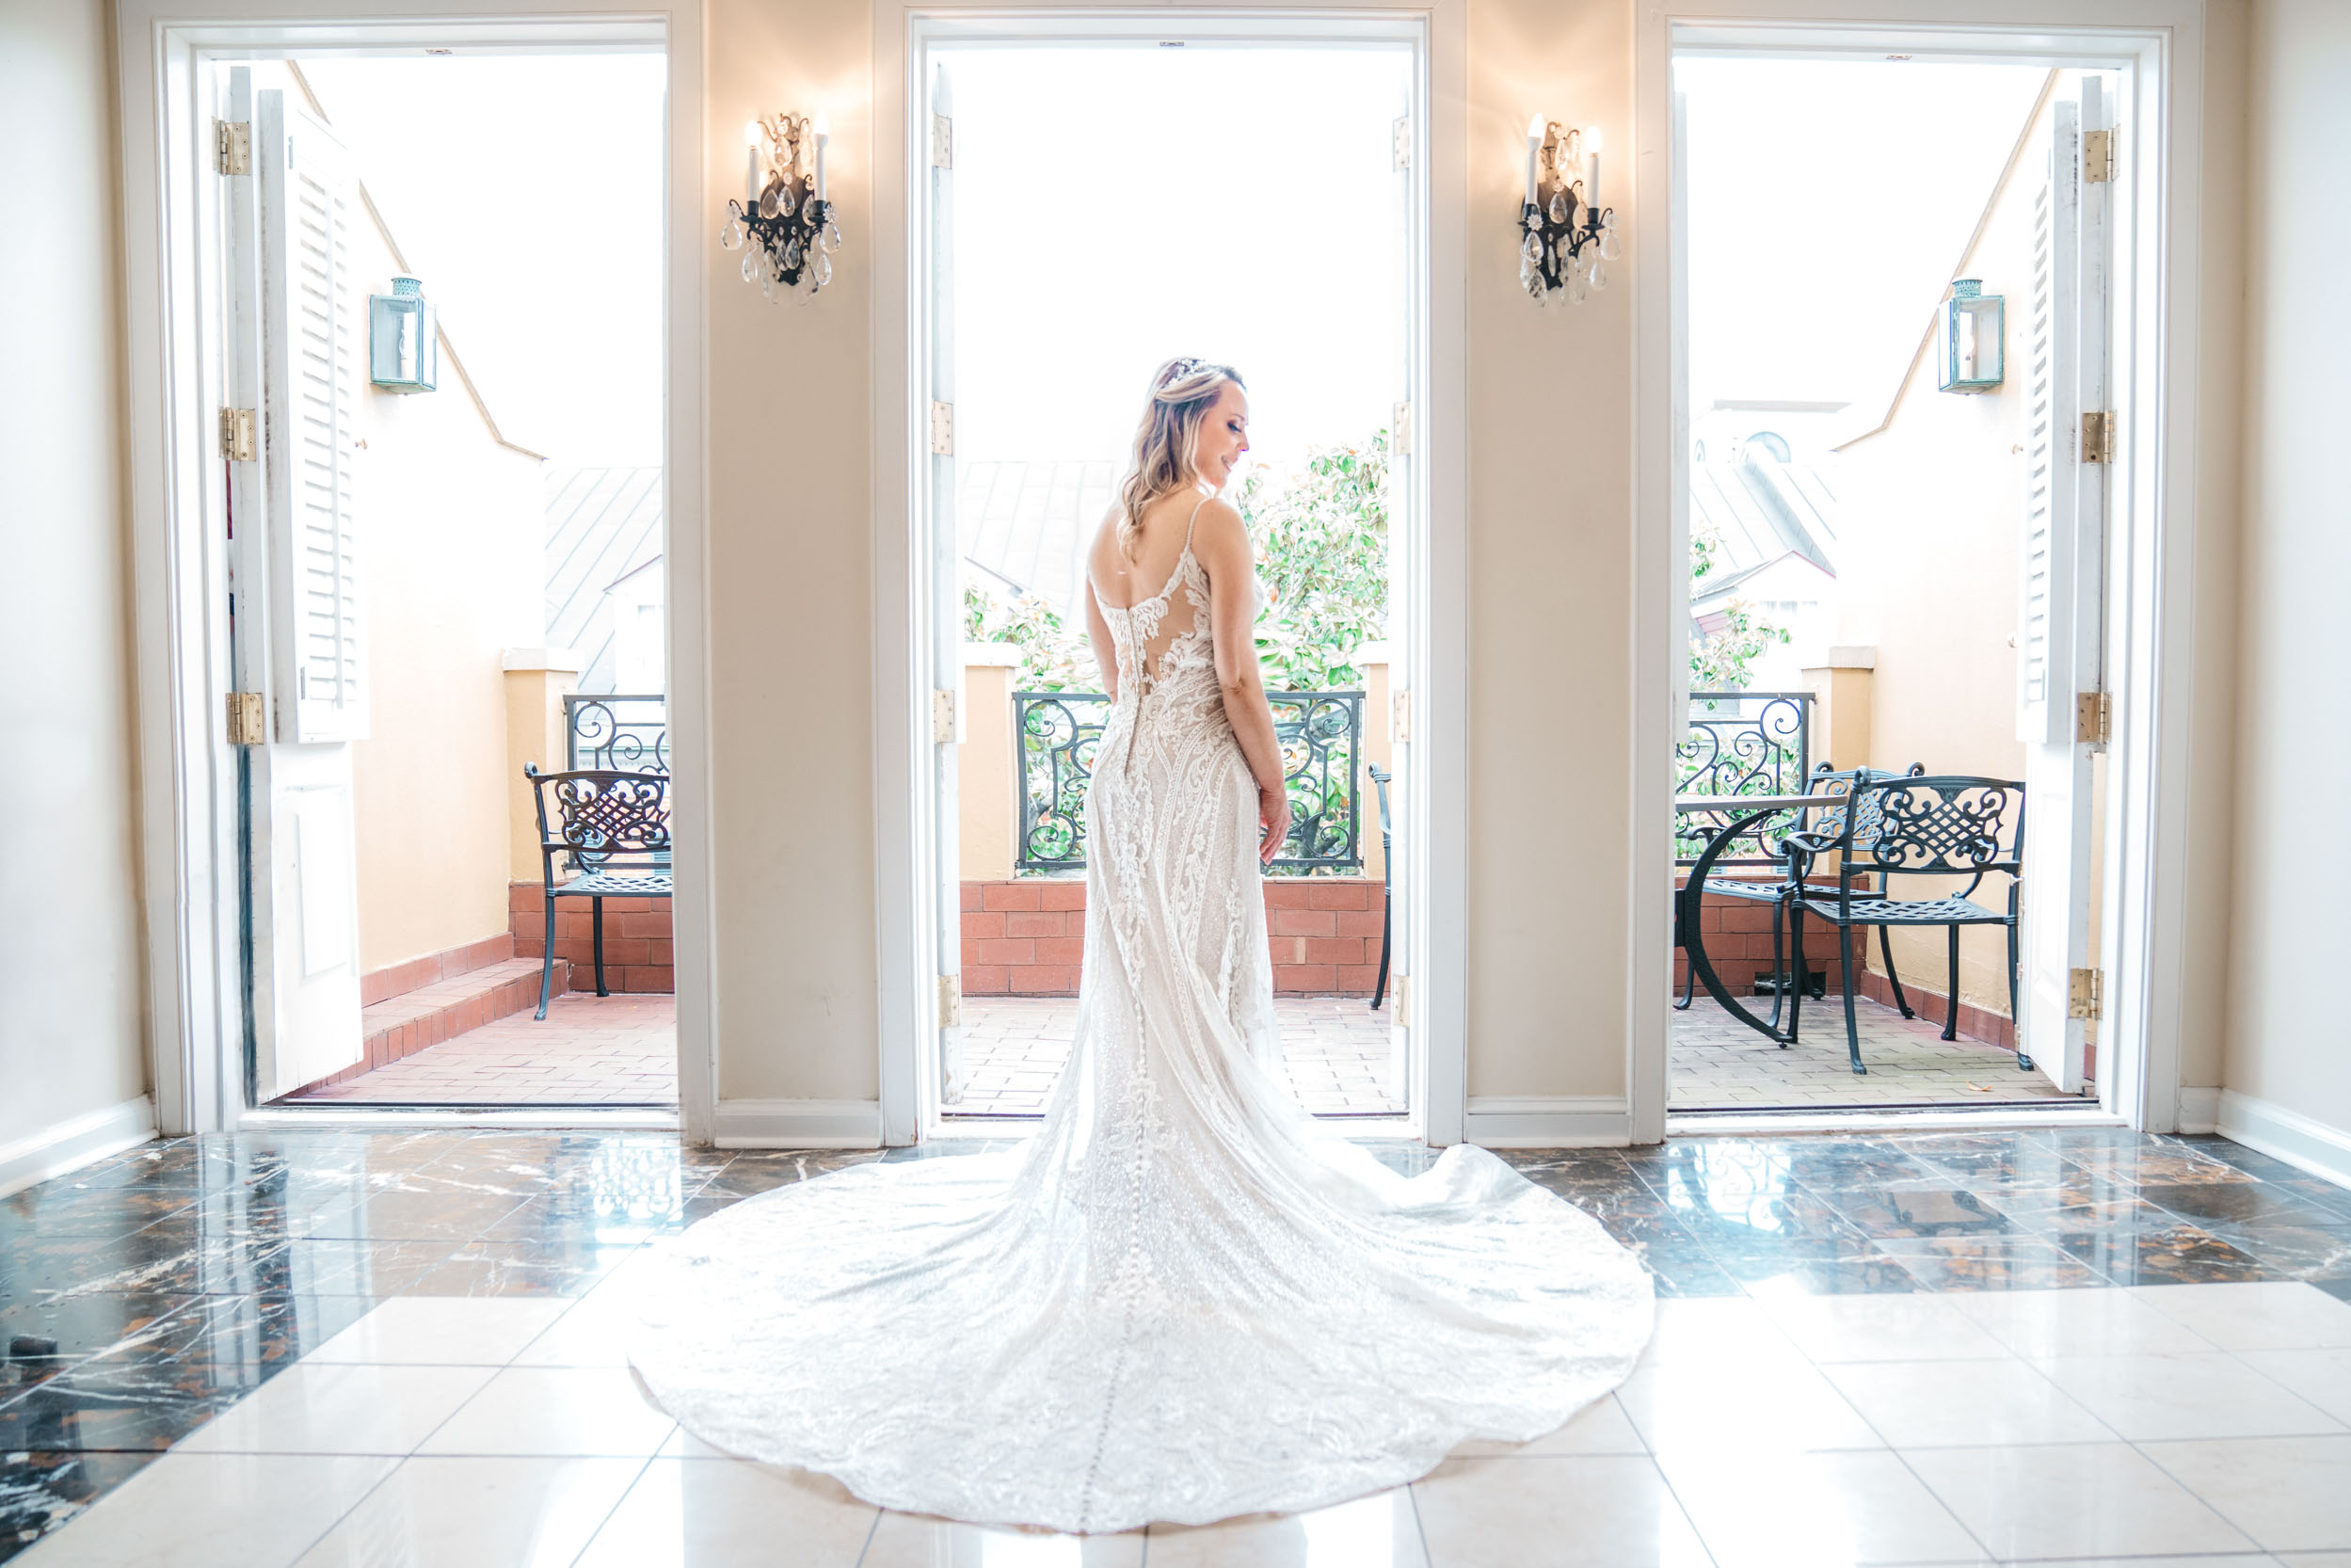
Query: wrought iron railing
{"x": 629, "y": 733}
{"x": 1322, "y": 739}
{"x": 1739, "y": 744}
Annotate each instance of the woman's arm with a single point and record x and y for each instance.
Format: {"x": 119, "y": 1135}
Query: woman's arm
{"x": 1099, "y": 636}
{"x": 1220, "y": 543}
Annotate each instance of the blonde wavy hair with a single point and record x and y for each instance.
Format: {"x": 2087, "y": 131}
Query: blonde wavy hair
{"x": 1182, "y": 392}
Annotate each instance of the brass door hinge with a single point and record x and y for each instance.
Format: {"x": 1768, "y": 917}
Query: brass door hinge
{"x": 2093, "y": 718}
{"x": 1400, "y": 999}
{"x": 942, "y": 719}
{"x": 233, "y": 145}
{"x": 239, "y": 440}
{"x": 2097, "y": 157}
{"x": 942, "y": 142}
{"x": 1400, "y": 716}
{"x": 247, "y": 727}
{"x": 1401, "y": 429}
{"x": 2098, "y": 438}
{"x": 943, "y": 429}
{"x": 2086, "y": 995}
{"x": 950, "y": 1000}
{"x": 1402, "y": 140}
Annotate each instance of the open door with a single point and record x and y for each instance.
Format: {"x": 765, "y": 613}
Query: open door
{"x": 945, "y": 571}
{"x": 2060, "y": 677}
{"x": 293, "y": 345}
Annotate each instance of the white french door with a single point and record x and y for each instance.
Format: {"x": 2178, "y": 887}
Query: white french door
{"x": 295, "y": 339}
{"x": 944, "y": 568}
{"x": 2060, "y": 636}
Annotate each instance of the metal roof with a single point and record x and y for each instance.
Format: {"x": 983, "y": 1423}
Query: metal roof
{"x": 604, "y": 524}
{"x": 1763, "y": 512}
{"x": 1025, "y": 525}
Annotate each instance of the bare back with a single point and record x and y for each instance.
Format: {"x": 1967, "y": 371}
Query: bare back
{"x": 1161, "y": 546}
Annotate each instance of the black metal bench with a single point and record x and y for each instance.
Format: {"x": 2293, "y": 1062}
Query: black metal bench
{"x": 615, "y": 835}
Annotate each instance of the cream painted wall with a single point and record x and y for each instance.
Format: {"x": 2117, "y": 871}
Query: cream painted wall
{"x": 2284, "y": 1032}
{"x": 72, "y": 1021}
{"x": 452, "y": 527}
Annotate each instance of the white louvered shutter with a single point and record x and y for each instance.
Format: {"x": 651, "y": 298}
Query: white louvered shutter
{"x": 2052, "y": 419}
{"x": 314, "y": 343}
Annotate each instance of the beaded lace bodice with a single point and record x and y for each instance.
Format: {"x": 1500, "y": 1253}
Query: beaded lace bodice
{"x": 1183, "y": 1299}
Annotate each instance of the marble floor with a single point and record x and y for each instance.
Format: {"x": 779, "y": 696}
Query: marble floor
{"x": 2032, "y": 1346}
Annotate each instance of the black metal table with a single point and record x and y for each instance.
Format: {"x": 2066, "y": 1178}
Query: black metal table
{"x": 1755, "y": 809}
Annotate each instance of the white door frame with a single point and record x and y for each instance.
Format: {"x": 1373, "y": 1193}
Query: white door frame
{"x": 2156, "y": 345}
{"x": 1436, "y": 819}
{"x": 188, "y": 772}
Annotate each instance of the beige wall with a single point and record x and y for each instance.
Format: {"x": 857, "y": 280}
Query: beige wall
{"x": 72, "y": 1019}
{"x": 2291, "y": 743}
{"x": 452, "y": 523}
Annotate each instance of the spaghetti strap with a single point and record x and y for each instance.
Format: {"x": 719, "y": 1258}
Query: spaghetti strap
{"x": 1188, "y": 522}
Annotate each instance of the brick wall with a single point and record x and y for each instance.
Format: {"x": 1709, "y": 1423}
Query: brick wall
{"x": 1027, "y": 938}
{"x": 637, "y": 954}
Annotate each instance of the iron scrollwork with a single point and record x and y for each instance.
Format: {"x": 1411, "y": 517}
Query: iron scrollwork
{"x": 627, "y": 733}
{"x": 1740, "y": 744}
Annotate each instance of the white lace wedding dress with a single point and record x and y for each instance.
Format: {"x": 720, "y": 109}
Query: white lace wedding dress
{"x": 1184, "y": 1300}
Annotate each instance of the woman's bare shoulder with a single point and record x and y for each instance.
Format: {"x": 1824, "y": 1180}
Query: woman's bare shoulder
{"x": 1219, "y": 530}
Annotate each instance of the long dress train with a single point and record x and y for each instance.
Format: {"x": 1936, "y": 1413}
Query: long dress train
{"x": 1184, "y": 1298}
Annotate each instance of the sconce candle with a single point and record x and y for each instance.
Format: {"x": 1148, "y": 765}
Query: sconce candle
{"x": 785, "y": 226}
{"x": 1564, "y": 238}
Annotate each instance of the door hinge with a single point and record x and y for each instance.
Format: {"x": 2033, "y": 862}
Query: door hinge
{"x": 238, "y": 442}
{"x": 1402, "y": 140}
{"x": 2098, "y": 438}
{"x": 2097, "y": 157}
{"x": 950, "y": 1000}
{"x": 247, "y": 727}
{"x": 233, "y": 145}
{"x": 943, "y": 429}
{"x": 942, "y": 719}
{"x": 1401, "y": 429}
{"x": 2085, "y": 994}
{"x": 1401, "y": 1001}
{"x": 942, "y": 142}
{"x": 1400, "y": 716}
{"x": 2093, "y": 718}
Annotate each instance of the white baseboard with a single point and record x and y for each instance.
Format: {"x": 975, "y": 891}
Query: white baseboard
{"x": 70, "y": 1144}
{"x": 798, "y": 1124}
{"x": 2258, "y": 1124}
{"x": 1547, "y": 1121}
{"x": 2200, "y": 1109}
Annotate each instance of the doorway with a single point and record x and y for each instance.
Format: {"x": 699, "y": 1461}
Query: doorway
{"x": 1932, "y": 556}
{"x": 1052, "y": 283}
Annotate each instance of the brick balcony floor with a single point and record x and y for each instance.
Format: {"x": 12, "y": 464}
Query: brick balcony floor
{"x": 1720, "y": 1064}
{"x": 591, "y": 1050}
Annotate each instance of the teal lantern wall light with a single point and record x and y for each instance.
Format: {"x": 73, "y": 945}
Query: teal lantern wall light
{"x": 403, "y": 345}
{"x": 1974, "y": 331}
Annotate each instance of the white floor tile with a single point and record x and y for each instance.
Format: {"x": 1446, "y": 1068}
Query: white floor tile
{"x": 2071, "y": 1499}
{"x": 1894, "y": 1327}
{"x": 2076, "y": 1323}
{"x": 1774, "y": 1408}
{"x": 329, "y": 1408}
{"x": 2290, "y": 1494}
{"x": 1765, "y": 1510}
{"x": 478, "y": 1512}
{"x": 595, "y": 1332}
{"x": 1381, "y": 1531}
{"x": 2322, "y": 1377}
{"x": 1600, "y": 1428}
{"x": 727, "y": 1513}
{"x": 213, "y": 1511}
{"x": 2152, "y": 1398}
{"x": 913, "y": 1540}
{"x": 445, "y": 1330}
{"x": 2264, "y": 1314}
{"x": 1592, "y": 1512}
{"x": 1716, "y": 1328}
{"x": 2316, "y": 1559}
{"x": 1938, "y": 1405}
{"x": 555, "y": 1412}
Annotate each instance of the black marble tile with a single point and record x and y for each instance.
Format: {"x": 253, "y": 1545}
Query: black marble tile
{"x": 40, "y": 1490}
{"x": 1879, "y": 1275}
{"x": 1730, "y": 1219}
{"x": 1680, "y": 1276}
{"x": 67, "y": 1208}
{"x": 2301, "y": 1250}
{"x": 2034, "y": 1212}
{"x": 406, "y": 1214}
{"x": 1920, "y": 1210}
{"x": 226, "y": 1341}
{"x": 1856, "y": 1168}
{"x": 2154, "y": 1163}
{"x": 2009, "y": 1262}
{"x": 2182, "y": 1255}
{"x": 158, "y": 1264}
{"x": 552, "y": 1268}
{"x": 2214, "y": 1203}
{"x": 2338, "y": 1288}
{"x": 82, "y": 1411}
{"x": 45, "y": 1337}
{"x": 2012, "y": 1168}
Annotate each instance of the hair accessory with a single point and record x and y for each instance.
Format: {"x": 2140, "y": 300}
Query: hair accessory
{"x": 1178, "y": 370}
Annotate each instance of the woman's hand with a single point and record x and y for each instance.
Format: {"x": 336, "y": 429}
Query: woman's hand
{"x": 1273, "y": 818}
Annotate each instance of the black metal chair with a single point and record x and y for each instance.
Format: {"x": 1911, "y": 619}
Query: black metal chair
{"x": 1380, "y": 780}
{"x": 1948, "y": 825}
{"x": 615, "y": 835}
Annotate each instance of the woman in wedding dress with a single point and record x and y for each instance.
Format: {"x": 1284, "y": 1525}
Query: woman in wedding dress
{"x": 1184, "y": 1299}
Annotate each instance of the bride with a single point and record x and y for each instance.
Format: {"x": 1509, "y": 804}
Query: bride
{"x": 1184, "y": 1299}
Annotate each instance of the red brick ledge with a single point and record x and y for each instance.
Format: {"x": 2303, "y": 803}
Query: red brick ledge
{"x": 1027, "y": 938}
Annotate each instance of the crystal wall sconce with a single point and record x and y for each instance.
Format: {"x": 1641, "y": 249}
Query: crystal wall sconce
{"x": 784, "y": 226}
{"x": 1974, "y": 327}
{"x": 1566, "y": 236}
